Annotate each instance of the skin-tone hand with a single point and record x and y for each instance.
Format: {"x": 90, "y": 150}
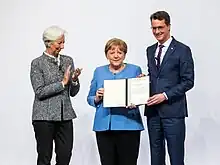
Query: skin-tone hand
{"x": 76, "y": 73}
{"x": 156, "y": 99}
{"x": 66, "y": 76}
{"x": 131, "y": 106}
{"x": 99, "y": 95}
{"x": 141, "y": 75}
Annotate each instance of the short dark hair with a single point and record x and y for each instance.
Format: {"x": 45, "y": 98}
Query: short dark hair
{"x": 161, "y": 15}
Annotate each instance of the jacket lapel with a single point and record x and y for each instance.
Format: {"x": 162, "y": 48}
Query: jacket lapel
{"x": 169, "y": 51}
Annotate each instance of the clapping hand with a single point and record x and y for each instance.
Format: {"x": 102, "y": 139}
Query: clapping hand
{"x": 76, "y": 74}
{"x": 66, "y": 76}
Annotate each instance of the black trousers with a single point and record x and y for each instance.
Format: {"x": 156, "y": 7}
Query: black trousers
{"x": 118, "y": 147}
{"x": 61, "y": 132}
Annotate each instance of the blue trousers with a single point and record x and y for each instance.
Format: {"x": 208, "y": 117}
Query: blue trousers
{"x": 173, "y": 131}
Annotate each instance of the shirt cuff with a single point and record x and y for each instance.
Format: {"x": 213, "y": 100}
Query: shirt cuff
{"x": 75, "y": 83}
{"x": 63, "y": 84}
{"x": 165, "y": 95}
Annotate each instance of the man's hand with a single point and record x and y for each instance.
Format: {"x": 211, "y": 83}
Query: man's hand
{"x": 156, "y": 99}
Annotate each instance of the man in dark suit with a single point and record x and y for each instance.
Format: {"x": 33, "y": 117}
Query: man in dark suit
{"x": 171, "y": 72}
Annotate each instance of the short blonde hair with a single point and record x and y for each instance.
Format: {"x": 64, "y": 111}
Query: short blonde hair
{"x": 116, "y": 42}
{"x": 51, "y": 34}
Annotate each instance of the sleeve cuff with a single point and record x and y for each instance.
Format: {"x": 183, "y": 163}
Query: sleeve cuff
{"x": 63, "y": 84}
{"x": 96, "y": 104}
{"x": 75, "y": 83}
{"x": 165, "y": 95}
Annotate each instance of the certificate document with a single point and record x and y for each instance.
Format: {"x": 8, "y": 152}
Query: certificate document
{"x": 124, "y": 92}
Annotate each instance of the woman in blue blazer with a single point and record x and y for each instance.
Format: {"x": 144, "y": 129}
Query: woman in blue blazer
{"x": 117, "y": 129}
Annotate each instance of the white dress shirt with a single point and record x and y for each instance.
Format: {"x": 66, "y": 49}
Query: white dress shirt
{"x": 57, "y": 59}
{"x": 164, "y": 50}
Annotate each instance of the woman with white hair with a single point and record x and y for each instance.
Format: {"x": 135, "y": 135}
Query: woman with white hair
{"x": 54, "y": 79}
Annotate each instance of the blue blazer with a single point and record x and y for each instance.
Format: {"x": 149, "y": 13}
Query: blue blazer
{"x": 175, "y": 77}
{"x": 114, "y": 118}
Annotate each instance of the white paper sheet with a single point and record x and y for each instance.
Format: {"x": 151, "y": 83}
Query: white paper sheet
{"x": 115, "y": 92}
{"x": 138, "y": 90}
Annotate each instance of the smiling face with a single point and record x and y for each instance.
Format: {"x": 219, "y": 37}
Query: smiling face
{"x": 161, "y": 30}
{"x": 116, "y": 56}
{"x": 57, "y": 45}
{"x": 115, "y": 51}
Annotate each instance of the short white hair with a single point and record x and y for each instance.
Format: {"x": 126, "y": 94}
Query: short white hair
{"x": 52, "y": 33}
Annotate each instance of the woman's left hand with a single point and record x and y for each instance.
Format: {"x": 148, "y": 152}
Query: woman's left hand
{"x": 76, "y": 74}
{"x": 141, "y": 75}
{"x": 131, "y": 106}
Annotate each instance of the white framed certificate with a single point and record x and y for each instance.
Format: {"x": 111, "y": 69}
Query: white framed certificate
{"x": 124, "y": 92}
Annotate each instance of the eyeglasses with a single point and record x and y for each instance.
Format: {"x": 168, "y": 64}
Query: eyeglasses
{"x": 158, "y": 28}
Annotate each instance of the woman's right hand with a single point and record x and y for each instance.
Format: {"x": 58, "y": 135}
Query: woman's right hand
{"x": 66, "y": 76}
{"x": 99, "y": 95}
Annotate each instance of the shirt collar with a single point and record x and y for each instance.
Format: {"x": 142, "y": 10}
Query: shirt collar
{"x": 56, "y": 58}
{"x": 167, "y": 43}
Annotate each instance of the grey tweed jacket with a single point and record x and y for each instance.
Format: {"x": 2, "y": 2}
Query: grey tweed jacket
{"x": 52, "y": 100}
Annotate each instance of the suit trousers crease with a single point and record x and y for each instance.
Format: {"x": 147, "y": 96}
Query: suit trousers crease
{"x": 173, "y": 131}
{"x": 61, "y": 132}
{"x": 118, "y": 147}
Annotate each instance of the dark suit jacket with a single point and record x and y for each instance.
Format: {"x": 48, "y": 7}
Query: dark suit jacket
{"x": 175, "y": 77}
{"x": 52, "y": 100}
